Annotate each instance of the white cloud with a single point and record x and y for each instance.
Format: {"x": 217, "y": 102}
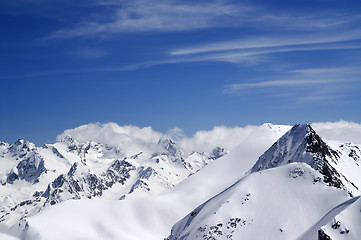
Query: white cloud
{"x": 130, "y": 138}
{"x": 243, "y": 57}
{"x": 339, "y": 131}
{"x": 302, "y": 85}
{"x": 154, "y": 15}
{"x": 175, "y": 134}
{"x": 310, "y": 21}
{"x": 219, "y": 136}
{"x": 134, "y": 139}
{"x": 115, "y": 16}
{"x": 286, "y": 31}
{"x": 293, "y": 41}
{"x": 276, "y": 83}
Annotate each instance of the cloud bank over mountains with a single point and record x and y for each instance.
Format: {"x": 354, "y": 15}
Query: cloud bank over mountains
{"x": 339, "y": 131}
{"x": 137, "y": 139}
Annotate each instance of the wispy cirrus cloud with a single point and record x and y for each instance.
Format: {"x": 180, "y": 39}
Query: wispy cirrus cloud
{"x": 277, "y": 32}
{"x": 235, "y": 88}
{"x": 309, "y": 22}
{"x": 152, "y": 15}
{"x": 311, "y": 85}
{"x": 248, "y": 55}
{"x": 271, "y": 41}
{"x": 119, "y": 16}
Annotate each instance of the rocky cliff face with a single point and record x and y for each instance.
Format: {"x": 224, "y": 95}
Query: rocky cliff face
{"x": 303, "y": 144}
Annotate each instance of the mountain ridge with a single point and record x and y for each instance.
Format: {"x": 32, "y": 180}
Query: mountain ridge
{"x": 298, "y": 154}
{"x": 226, "y": 199}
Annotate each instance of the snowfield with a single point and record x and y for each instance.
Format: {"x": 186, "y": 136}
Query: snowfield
{"x": 280, "y": 182}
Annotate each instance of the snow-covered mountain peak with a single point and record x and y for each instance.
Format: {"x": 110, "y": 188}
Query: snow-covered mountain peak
{"x": 67, "y": 139}
{"x": 218, "y": 152}
{"x": 21, "y": 147}
{"x": 310, "y": 168}
{"x": 32, "y": 178}
{"x": 3, "y": 144}
{"x": 301, "y": 176}
{"x": 169, "y": 145}
{"x": 300, "y": 144}
{"x": 31, "y": 168}
{"x": 70, "y": 142}
{"x": 85, "y": 148}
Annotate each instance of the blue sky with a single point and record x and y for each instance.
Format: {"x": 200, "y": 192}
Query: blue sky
{"x": 186, "y": 64}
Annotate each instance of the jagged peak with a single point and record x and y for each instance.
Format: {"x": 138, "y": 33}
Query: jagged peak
{"x": 84, "y": 144}
{"x": 217, "y": 152}
{"x": 293, "y": 146}
{"x": 301, "y": 130}
{"x": 166, "y": 141}
{"x": 169, "y": 145}
{"x": 68, "y": 139}
{"x": 81, "y": 148}
{"x": 28, "y": 169}
{"x": 22, "y": 142}
{"x": 78, "y": 169}
{"x": 2, "y": 143}
{"x": 302, "y": 144}
{"x": 21, "y": 147}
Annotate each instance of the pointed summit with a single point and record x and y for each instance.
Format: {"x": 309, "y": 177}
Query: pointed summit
{"x": 302, "y": 144}
{"x": 21, "y": 147}
{"x": 169, "y": 145}
{"x": 170, "y": 148}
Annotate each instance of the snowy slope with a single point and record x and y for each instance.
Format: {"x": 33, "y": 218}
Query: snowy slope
{"x": 329, "y": 220}
{"x": 291, "y": 187}
{"x": 151, "y": 217}
{"x": 279, "y": 203}
{"x": 7, "y": 237}
{"x": 300, "y": 178}
{"x": 345, "y": 225}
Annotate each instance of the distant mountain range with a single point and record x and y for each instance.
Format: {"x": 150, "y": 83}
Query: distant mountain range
{"x": 33, "y": 178}
{"x": 280, "y": 182}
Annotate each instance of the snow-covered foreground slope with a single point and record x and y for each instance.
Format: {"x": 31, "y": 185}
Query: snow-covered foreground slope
{"x": 292, "y": 190}
{"x": 326, "y": 221}
{"x": 279, "y": 203}
{"x": 151, "y": 217}
{"x": 345, "y": 225}
{"x": 7, "y": 237}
